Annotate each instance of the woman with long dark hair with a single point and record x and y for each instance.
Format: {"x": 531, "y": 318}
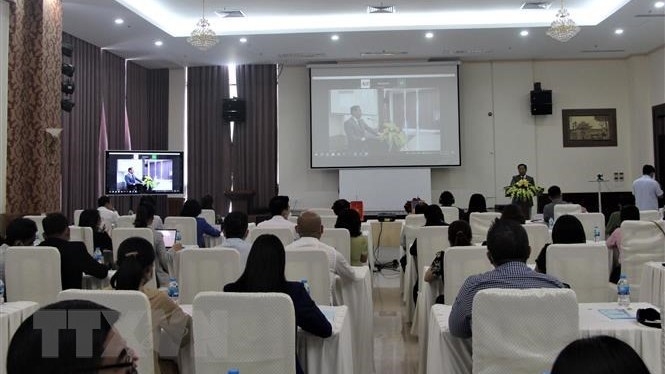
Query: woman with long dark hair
{"x": 459, "y": 235}
{"x": 599, "y": 355}
{"x": 192, "y": 208}
{"x": 145, "y": 215}
{"x": 477, "y": 204}
{"x": 264, "y": 272}
{"x": 350, "y": 219}
{"x": 100, "y": 238}
{"x": 567, "y": 230}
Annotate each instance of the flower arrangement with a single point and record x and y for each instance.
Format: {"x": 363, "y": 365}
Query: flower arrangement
{"x": 522, "y": 190}
{"x": 149, "y": 182}
{"x": 393, "y": 136}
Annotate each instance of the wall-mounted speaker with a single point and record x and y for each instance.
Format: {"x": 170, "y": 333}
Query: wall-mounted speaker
{"x": 541, "y": 102}
{"x": 233, "y": 110}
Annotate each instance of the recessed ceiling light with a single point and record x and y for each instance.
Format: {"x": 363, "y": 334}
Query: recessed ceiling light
{"x": 524, "y": 32}
{"x": 159, "y": 43}
{"x": 119, "y": 21}
{"x": 618, "y": 31}
{"x": 334, "y": 37}
{"x": 659, "y": 4}
{"x": 429, "y": 35}
{"x": 243, "y": 40}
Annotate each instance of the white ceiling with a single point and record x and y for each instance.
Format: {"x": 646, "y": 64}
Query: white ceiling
{"x": 297, "y": 32}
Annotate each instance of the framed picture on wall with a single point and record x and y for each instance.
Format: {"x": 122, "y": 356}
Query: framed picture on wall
{"x": 589, "y": 127}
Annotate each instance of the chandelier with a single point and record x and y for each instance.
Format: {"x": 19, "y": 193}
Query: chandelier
{"x": 563, "y": 28}
{"x": 203, "y": 37}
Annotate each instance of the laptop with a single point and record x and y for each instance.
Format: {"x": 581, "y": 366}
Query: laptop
{"x": 169, "y": 237}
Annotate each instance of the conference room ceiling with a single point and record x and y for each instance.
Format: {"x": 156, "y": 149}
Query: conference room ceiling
{"x": 299, "y": 32}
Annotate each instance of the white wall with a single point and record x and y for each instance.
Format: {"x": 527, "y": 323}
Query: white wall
{"x": 657, "y": 76}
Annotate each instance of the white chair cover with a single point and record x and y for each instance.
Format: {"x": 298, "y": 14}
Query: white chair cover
{"x": 77, "y": 215}
{"x": 186, "y": 226}
{"x": 522, "y": 331}
{"x": 125, "y": 221}
{"x": 583, "y": 267}
{"x": 82, "y": 234}
{"x": 322, "y": 211}
{"x": 310, "y": 264}
{"x": 206, "y": 270}
{"x": 32, "y": 274}
{"x": 253, "y": 332}
{"x": 561, "y": 209}
{"x": 649, "y": 215}
{"x": 416, "y": 220}
{"x": 458, "y": 264}
{"x": 209, "y": 216}
{"x": 538, "y": 236}
{"x": 328, "y": 222}
{"x": 135, "y": 323}
{"x": 119, "y": 234}
{"x": 589, "y": 221}
{"x": 284, "y": 234}
{"x": 38, "y": 220}
{"x": 338, "y": 239}
{"x": 480, "y": 224}
{"x": 642, "y": 241}
{"x": 431, "y": 239}
{"x": 293, "y": 219}
{"x": 450, "y": 213}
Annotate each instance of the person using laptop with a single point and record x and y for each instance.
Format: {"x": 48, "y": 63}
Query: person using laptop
{"x": 145, "y": 215}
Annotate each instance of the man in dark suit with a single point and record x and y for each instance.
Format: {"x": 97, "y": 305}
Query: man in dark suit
{"x": 357, "y": 131}
{"x": 524, "y": 205}
{"x": 74, "y": 258}
{"x": 131, "y": 181}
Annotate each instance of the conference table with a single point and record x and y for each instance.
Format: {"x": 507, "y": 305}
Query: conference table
{"x": 332, "y": 355}
{"x": 12, "y": 314}
{"x": 652, "y": 286}
{"x": 451, "y": 355}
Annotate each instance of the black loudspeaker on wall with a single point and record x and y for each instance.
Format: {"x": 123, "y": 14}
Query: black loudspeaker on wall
{"x": 233, "y": 110}
{"x": 541, "y": 100}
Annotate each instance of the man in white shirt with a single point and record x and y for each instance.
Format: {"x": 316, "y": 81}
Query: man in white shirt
{"x": 280, "y": 210}
{"x": 107, "y": 212}
{"x": 235, "y": 232}
{"x": 647, "y": 190}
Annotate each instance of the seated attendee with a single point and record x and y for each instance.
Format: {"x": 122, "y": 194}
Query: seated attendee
{"x": 419, "y": 208}
{"x": 459, "y": 235}
{"x": 477, "y": 204}
{"x": 628, "y": 213}
{"x": 614, "y": 221}
{"x": 598, "y": 355}
{"x": 567, "y": 230}
{"x": 280, "y": 210}
{"x": 145, "y": 215}
{"x": 554, "y": 193}
{"x": 107, "y": 212}
{"x": 207, "y": 202}
{"x": 20, "y": 232}
{"x": 192, "y": 208}
{"x": 136, "y": 261}
{"x": 69, "y": 348}
{"x": 265, "y": 273}
{"x": 514, "y": 212}
{"x": 235, "y": 232}
{"x": 433, "y": 217}
{"x": 310, "y": 229}
{"x": 447, "y": 199}
{"x": 157, "y": 222}
{"x": 74, "y": 257}
{"x": 100, "y": 238}
{"x": 340, "y": 205}
{"x": 350, "y": 219}
{"x": 507, "y": 249}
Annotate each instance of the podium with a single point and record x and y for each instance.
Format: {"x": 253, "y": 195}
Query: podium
{"x": 599, "y": 180}
{"x": 241, "y": 199}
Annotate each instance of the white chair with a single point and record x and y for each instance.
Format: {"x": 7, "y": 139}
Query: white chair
{"x": 522, "y": 331}
{"x": 284, "y": 234}
{"x": 583, "y": 267}
{"x": 538, "y": 236}
{"x": 338, "y": 239}
{"x": 589, "y": 222}
{"x": 186, "y": 226}
{"x": 38, "y": 220}
{"x": 33, "y": 274}
{"x": 253, "y": 332}
{"x": 430, "y": 239}
{"x": 125, "y": 221}
{"x": 641, "y": 241}
{"x": 649, "y": 215}
{"x": 328, "y": 222}
{"x": 322, "y": 211}
{"x": 209, "y": 216}
{"x": 415, "y": 220}
{"x": 480, "y": 224}
{"x": 206, "y": 270}
{"x": 135, "y": 323}
{"x": 77, "y": 215}
{"x": 450, "y": 213}
{"x": 310, "y": 264}
{"x": 82, "y": 234}
{"x": 458, "y": 264}
{"x": 561, "y": 209}
{"x": 119, "y": 234}
{"x": 293, "y": 219}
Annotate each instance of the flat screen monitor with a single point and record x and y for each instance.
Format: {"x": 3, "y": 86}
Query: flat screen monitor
{"x": 144, "y": 172}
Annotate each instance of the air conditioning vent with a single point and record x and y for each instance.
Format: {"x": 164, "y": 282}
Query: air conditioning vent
{"x": 230, "y": 13}
{"x": 301, "y": 56}
{"x": 650, "y": 15}
{"x": 603, "y": 50}
{"x": 379, "y": 9}
{"x": 383, "y": 53}
{"x": 536, "y": 5}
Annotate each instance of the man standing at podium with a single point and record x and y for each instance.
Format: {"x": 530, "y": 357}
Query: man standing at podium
{"x": 525, "y": 205}
{"x": 647, "y": 190}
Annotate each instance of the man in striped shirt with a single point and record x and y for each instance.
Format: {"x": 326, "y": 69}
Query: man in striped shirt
{"x": 507, "y": 249}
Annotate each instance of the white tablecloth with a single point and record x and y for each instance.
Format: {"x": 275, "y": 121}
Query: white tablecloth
{"x": 410, "y": 277}
{"x": 92, "y": 283}
{"x": 448, "y": 354}
{"x": 11, "y": 316}
{"x": 426, "y": 298}
{"x": 652, "y": 287}
{"x": 357, "y": 296}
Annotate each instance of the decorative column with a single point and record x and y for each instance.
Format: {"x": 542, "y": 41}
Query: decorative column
{"x": 33, "y": 153}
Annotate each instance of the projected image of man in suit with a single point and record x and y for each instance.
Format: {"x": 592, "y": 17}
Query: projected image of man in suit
{"x": 359, "y": 135}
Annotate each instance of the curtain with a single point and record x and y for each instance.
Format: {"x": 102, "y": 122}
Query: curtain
{"x": 255, "y": 140}
{"x": 208, "y": 137}
{"x": 80, "y": 169}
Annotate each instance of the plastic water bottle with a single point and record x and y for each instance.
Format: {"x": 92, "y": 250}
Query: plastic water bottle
{"x": 174, "y": 292}
{"x": 98, "y": 256}
{"x": 233, "y": 371}
{"x": 178, "y": 237}
{"x": 623, "y": 291}
{"x": 550, "y": 223}
{"x": 2, "y": 292}
{"x": 306, "y": 285}
{"x": 596, "y": 234}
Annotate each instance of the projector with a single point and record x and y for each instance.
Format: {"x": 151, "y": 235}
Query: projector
{"x": 385, "y": 217}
